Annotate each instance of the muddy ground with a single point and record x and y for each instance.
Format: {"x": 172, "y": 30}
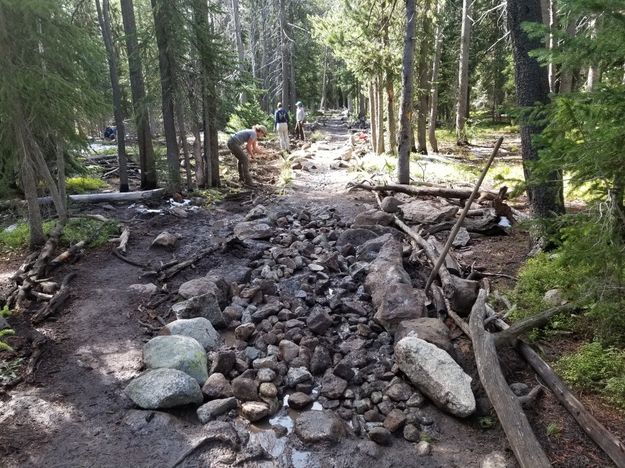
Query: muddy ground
{"x": 74, "y": 412}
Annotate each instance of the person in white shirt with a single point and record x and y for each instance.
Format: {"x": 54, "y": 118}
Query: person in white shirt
{"x": 300, "y": 117}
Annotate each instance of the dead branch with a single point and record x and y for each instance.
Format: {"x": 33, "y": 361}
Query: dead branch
{"x": 69, "y": 253}
{"x": 522, "y": 440}
{"x": 608, "y": 442}
{"x": 456, "y": 228}
{"x": 57, "y": 301}
{"x": 175, "y": 269}
{"x": 527, "y": 401}
{"x": 123, "y": 240}
{"x": 510, "y": 335}
{"x": 127, "y": 260}
{"x": 444, "y": 192}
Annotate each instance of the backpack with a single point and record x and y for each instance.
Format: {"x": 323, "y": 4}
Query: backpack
{"x": 281, "y": 116}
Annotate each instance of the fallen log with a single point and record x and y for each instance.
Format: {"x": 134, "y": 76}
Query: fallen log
{"x": 510, "y": 335}
{"x": 46, "y": 252}
{"x": 123, "y": 240}
{"x": 608, "y": 442}
{"x": 57, "y": 301}
{"x": 523, "y": 442}
{"x": 109, "y": 197}
{"x": 456, "y": 228}
{"x": 69, "y": 253}
{"x": 443, "y": 192}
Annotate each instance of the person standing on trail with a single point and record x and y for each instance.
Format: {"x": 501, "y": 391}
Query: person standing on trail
{"x": 248, "y": 138}
{"x": 300, "y": 117}
{"x": 282, "y": 126}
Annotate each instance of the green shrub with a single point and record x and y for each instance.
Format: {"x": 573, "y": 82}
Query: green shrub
{"x": 83, "y": 184}
{"x": 596, "y": 368}
{"x": 247, "y": 115}
{"x": 316, "y": 136}
{"x": 76, "y": 229}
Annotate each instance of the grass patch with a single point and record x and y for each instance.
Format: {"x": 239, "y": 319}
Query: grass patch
{"x": 83, "y": 184}
{"x": 286, "y": 176}
{"x": 598, "y": 369}
{"x": 316, "y": 136}
{"x": 16, "y": 237}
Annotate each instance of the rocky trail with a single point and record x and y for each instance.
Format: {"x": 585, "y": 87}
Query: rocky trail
{"x": 302, "y": 338}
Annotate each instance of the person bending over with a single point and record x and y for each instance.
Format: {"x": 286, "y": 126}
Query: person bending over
{"x": 247, "y": 137}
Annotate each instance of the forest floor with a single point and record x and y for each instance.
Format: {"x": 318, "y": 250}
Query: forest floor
{"x": 73, "y": 411}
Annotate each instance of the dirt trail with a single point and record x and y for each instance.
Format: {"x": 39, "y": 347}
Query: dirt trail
{"x": 75, "y": 413}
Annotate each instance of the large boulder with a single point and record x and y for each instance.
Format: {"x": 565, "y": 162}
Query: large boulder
{"x": 429, "y": 329}
{"x": 201, "y": 286}
{"x": 372, "y": 218}
{"x": 164, "y": 388}
{"x": 206, "y": 305}
{"x": 427, "y": 211}
{"x": 177, "y": 352}
{"x": 368, "y": 251}
{"x": 314, "y": 427}
{"x": 436, "y": 374}
{"x": 355, "y": 237}
{"x": 253, "y": 230}
{"x": 197, "y": 328}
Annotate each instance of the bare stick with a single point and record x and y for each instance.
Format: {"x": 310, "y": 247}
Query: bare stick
{"x": 57, "y": 301}
{"x": 511, "y": 334}
{"x": 467, "y": 206}
{"x": 123, "y": 240}
{"x": 523, "y": 442}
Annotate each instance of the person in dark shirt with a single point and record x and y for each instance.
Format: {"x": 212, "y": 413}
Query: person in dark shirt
{"x": 282, "y": 126}
{"x": 110, "y": 133}
{"x": 247, "y": 137}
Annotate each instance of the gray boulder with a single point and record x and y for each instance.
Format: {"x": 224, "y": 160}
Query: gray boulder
{"x": 427, "y": 211}
{"x": 209, "y": 411}
{"x": 199, "y": 287}
{"x": 436, "y": 374}
{"x": 429, "y": 329}
{"x": 206, "y": 305}
{"x": 355, "y": 237}
{"x": 165, "y": 240}
{"x": 373, "y": 217}
{"x": 164, "y": 388}
{"x": 197, "y": 328}
{"x": 319, "y": 427}
{"x": 217, "y": 386}
{"x": 253, "y": 230}
{"x": 177, "y": 352}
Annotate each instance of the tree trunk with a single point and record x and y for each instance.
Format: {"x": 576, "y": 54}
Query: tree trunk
{"x": 405, "y": 106}
{"x": 380, "y": 111}
{"x": 372, "y": 110}
{"x": 182, "y": 135}
{"x": 29, "y": 185}
{"x": 546, "y": 198}
{"x": 239, "y": 41}
{"x": 390, "y": 106}
{"x": 162, "y": 28}
{"x": 566, "y": 74}
{"x": 435, "y": 71}
{"x": 213, "y": 142}
{"x": 105, "y": 26}
{"x": 593, "y": 70}
{"x": 423, "y": 77}
{"x": 149, "y": 177}
{"x": 60, "y": 170}
{"x": 463, "y": 73}
{"x": 284, "y": 51}
{"x": 322, "y": 104}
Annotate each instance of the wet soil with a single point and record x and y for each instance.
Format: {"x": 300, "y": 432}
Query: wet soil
{"x": 74, "y": 413}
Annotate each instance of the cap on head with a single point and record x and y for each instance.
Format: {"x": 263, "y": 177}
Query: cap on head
{"x": 279, "y": 104}
{"x": 261, "y": 128}
{"x": 299, "y": 103}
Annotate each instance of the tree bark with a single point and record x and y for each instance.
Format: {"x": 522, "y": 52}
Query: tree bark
{"x": 284, "y": 51}
{"x": 435, "y": 72}
{"x": 424, "y": 82}
{"x": 380, "y": 111}
{"x": 322, "y": 104}
{"x": 105, "y": 26}
{"x": 29, "y": 184}
{"x": 593, "y": 70}
{"x": 149, "y": 177}
{"x": 182, "y": 135}
{"x": 546, "y": 198}
{"x": 566, "y": 74}
{"x": 523, "y": 442}
{"x": 372, "y": 111}
{"x": 462, "y": 107}
{"x": 162, "y": 28}
{"x": 405, "y": 109}
{"x": 239, "y": 42}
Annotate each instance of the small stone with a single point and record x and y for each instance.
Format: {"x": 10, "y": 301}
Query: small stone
{"x": 299, "y": 401}
{"x": 412, "y": 433}
{"x": 297, "y": 375}
{"x": 315, "y": 267}
{"x": 245, "y": 389}
{"x": 416, "y": 400}
{"x": 519, "y": 388}
{"x": 254, "y": 410}
{"x": 380, "y": 436}
{"x": 368, "y": 447}
{"x": 385, "y": 407}
{"x": 223, "y": 362}
{"x": 373, "y": 415}
{"x": 266, "y": 375}
{"x": 217, "y": 386}
{"x": 244, "y": 331}
{"x": 319, "y": 320}
{"x": 288, "y": 350}
{"x": 495, "y": 460}
{"x": 268, "y": 390}
{"x": 269, "y": 362}
{"x": 320, "y": 360}
{"x": 376, "y": 397}
{"x": 400, "y": 391}
{"x": 423, "y": 448}
{"x": 314, "y": 427}
{"x": 165, "y": 240}
{"x": 394, "y": 420}
{"x": 209, "y": 411}
{"x": 333, "y": 386}
{"x": 343, "y": 371}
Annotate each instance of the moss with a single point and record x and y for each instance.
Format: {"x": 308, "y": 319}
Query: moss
{"x": 83, "y": 184}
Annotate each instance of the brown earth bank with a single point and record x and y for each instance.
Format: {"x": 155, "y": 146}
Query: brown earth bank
{"x": 283, "y": 262}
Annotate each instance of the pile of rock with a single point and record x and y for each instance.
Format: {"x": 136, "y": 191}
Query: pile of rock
{"x": 326, "y": 313}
